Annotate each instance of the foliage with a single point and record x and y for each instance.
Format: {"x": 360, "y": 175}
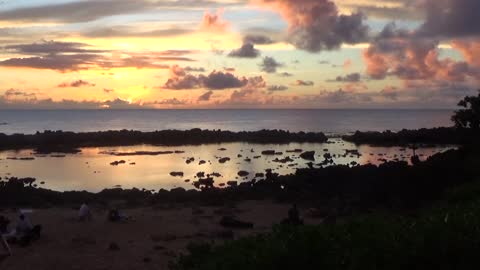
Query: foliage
{"x": 445, "y": 238}
{"x": 470, "y": 116}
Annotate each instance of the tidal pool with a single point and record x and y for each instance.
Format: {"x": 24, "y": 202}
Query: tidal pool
{"x": 91, "y": 169}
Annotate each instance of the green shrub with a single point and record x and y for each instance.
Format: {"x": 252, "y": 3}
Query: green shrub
{"x": 447, "y": 238}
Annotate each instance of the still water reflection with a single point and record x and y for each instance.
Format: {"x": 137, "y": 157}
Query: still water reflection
{"x": 91, "y": 169}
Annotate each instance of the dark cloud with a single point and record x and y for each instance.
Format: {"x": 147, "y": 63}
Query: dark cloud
{"x": 76, "y": 84}
{"x": 128, "y": 31}
{"x": 70, "y": 56}
{"x": 350, "y": 78}
{"x": 216, "y": 80}
{"x": 391, "y": 93}
{"x": 219, "y": 81}
{"x": 404, "y": 10}
{"x": 51, "y": 47}
{"x": 108, "y": 91}
{"x": 240, "y": 95}
{"x": 183, "y": 82}
{"x": 341, "y": 96}
{"x": 304, "y": 83}
{"x": 270, "y": 65}
{"x": 285, "y": 74}
{"x": 316, "y": 25}
{"x": 14, "y": 93}
{"x": 277, "y": 88}
{"x": 84, "y": 11}
{"x": 169, "y": 101}
{"x": 58, "y": 62}
{"x": 451, "y": 18}
{"x": 194, "y": 69}
{"x": 81, "y": 11}
{"x": 205, "y": 97}
{"x": 257, "y": 39}
{"x": 246, "y": 51}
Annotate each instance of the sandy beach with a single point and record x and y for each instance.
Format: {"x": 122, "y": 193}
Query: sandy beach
{"x": 155, "y": 237}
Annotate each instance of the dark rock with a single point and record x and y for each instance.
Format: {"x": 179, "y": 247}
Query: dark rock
{"x": 309, "y": 155}
{"x": 116, "y": 163}
{"x": 215, "y": 174}
{"x": 223, "y": 160}
{"x": 176, "y": 174}
{"x": 243, "y": 173}
{"x": 283, "y": 160}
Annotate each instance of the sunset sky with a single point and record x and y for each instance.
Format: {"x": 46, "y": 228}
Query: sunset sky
{"x": 72, "y": 54}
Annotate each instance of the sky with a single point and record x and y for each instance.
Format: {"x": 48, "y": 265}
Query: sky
{"x": 184, "y": 54}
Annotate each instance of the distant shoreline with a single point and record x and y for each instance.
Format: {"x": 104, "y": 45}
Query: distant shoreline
{"x": 69, "y": 142}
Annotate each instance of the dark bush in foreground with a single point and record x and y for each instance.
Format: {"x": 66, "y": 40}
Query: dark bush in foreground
{"x": 444, "y": 239}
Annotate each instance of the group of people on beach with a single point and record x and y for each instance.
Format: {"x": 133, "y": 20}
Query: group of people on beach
{"x": 114, "y": 215}
{"x": 24, "y": 232}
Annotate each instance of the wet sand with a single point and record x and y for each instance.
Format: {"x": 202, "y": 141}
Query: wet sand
{"x": 156, "y": 236}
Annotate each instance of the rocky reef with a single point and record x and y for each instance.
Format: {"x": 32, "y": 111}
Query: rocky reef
{"x": 444, "y": 135}
{"x": 392, "y": 184}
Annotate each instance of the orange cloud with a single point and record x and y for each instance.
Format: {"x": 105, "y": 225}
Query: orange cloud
{"x": 214, "y": 22}
{"x": 413, "y": 58}
{"x": 470, "y": 50}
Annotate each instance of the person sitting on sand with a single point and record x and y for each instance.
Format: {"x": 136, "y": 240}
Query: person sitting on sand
{"x": 84, "y": 214}
{"x": 24, "y": 231}
{"x": 293, "y": 217}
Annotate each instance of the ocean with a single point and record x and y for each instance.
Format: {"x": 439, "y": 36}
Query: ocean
{"x": 328, "y": 121}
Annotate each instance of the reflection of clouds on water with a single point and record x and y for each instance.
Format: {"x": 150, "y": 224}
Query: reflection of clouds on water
{"x": 90, "y": 170}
